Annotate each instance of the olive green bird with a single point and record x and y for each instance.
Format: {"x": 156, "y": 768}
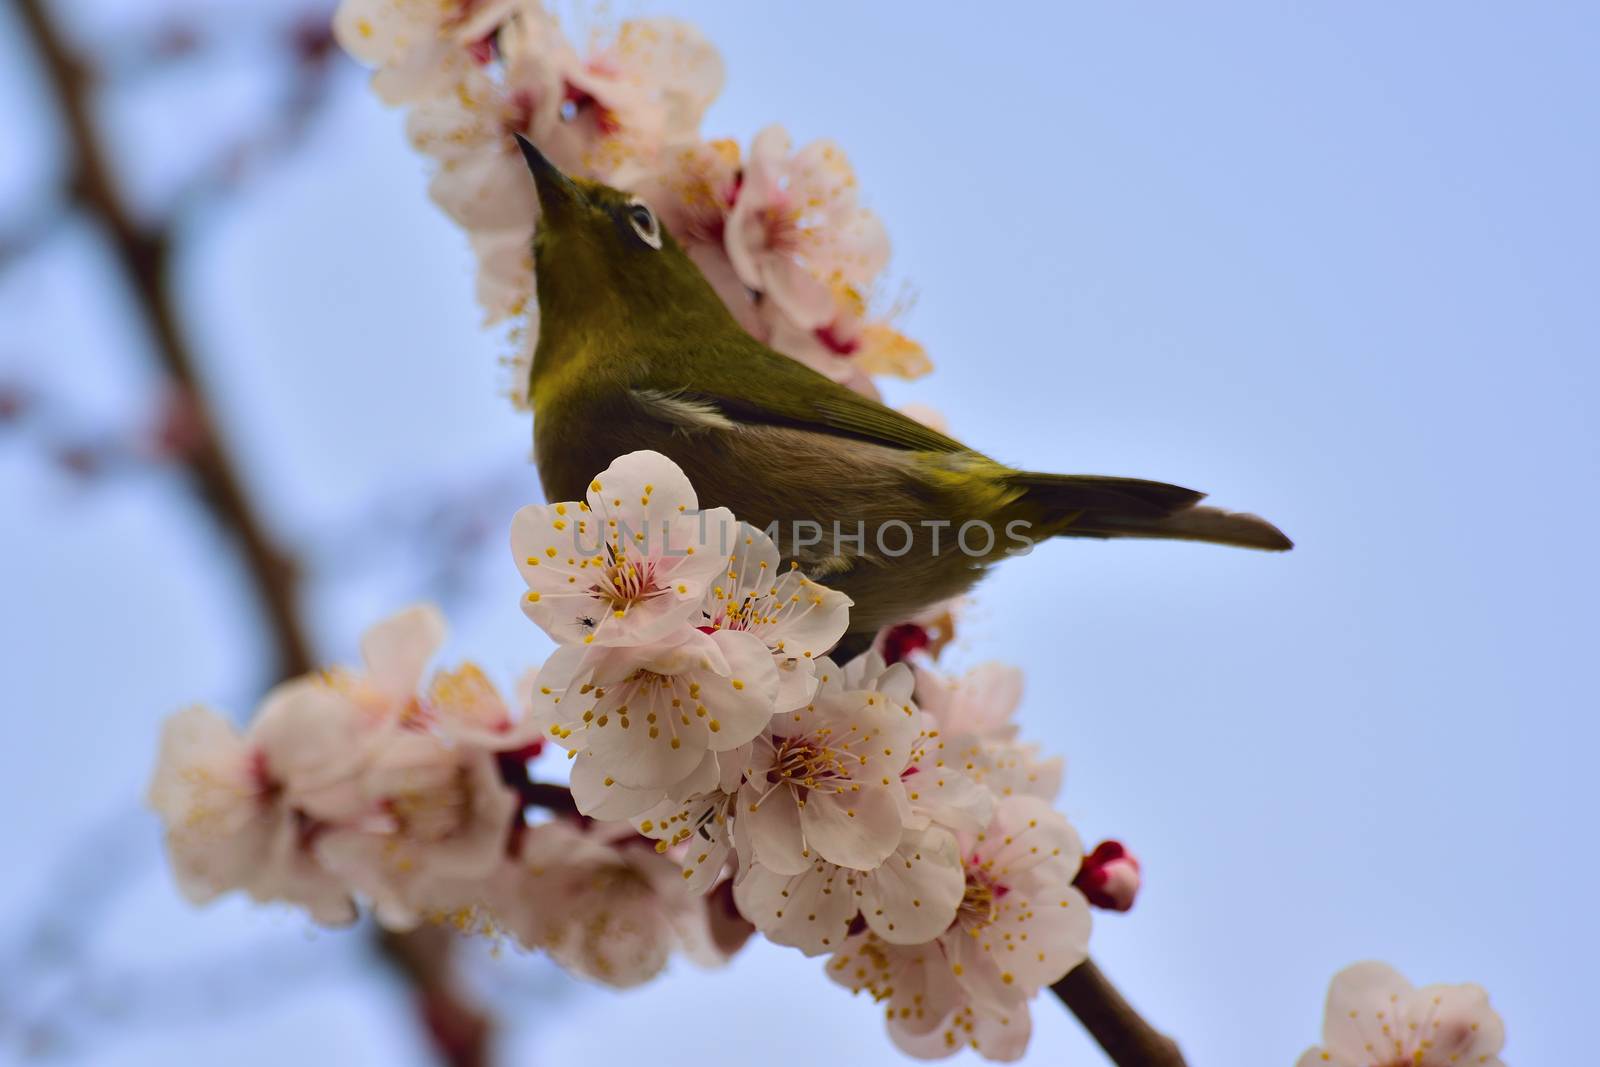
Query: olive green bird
{"x": 637, "y": 351}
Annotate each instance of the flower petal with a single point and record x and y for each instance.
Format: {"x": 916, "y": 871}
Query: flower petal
{"x": 397, "y": 650}
{"x": 913, "y": 896}
{"x": 853, "y": 829}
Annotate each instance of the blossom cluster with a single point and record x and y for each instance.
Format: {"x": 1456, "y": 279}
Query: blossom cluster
{"x": 882, "y": 815}
{"x": 780, "y": 232}
{"x": 369, "y": 784}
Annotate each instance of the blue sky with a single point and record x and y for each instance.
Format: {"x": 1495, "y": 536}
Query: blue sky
{"x": 1333, "y": 263}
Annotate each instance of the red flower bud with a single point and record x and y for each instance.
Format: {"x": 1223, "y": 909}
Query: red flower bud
{"x": 900, "y": 641}
{"x": 1109, "y": 876}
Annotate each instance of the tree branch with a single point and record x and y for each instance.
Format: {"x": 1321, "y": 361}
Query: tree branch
{"x": 144, "y": 256}
{"x": 423, "y": 957}
{"x": 1121, "y": 1031}
{"x": 144, "y": 253}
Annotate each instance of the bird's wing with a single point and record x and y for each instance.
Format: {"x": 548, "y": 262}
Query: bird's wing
{"x": 753, "y": 385}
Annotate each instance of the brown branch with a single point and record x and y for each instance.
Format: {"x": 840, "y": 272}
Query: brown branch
{"x": 551, "y": 797}
{"x": 1128, "y": 1041}
{"x": 424, "y": 957}
{"x": 144, "y": 254}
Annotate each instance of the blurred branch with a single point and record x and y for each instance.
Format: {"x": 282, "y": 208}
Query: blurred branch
{"x": 309, "y": 45}
{"x": 460, "y": 1032}
{"x": 144, "y": 254}
{"x": 86, "y": 446}
{"x": 1128, "y": 1041}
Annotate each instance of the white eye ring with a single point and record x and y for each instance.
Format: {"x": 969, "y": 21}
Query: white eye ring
{"x": 644, "y": 223}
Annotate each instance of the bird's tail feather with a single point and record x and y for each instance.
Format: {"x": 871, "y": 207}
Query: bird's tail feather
{"x": 1076, "y": 505}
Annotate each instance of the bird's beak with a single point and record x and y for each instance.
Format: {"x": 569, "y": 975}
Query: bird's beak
{"x": 557, "y": 192}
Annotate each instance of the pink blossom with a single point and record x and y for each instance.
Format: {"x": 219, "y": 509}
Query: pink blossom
{"x": 798, "y": 234}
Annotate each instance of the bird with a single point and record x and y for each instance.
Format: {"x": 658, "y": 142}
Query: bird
{"x": 637, "y": 351}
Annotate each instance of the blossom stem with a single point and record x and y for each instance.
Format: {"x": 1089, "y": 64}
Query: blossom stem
{"x": 1127, "y": 1039}
{"x": 144, "y": 254}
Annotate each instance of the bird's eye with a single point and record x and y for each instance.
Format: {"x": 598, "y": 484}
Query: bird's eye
{"x": 644, "y": 223}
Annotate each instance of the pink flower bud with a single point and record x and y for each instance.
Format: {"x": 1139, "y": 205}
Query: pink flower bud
{"x": 1109, "y": 876}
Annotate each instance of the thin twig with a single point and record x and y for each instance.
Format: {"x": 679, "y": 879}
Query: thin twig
{"x": 144, "y": 254}
{"x": 1127, "y": 1039}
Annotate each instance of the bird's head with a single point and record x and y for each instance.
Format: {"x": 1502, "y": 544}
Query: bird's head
{"x": 605, "y": 263}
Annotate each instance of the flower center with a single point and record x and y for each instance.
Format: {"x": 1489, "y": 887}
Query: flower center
{"x": 780, "y": 225}
{"x": 803, "y": 763}
{"x": 436, "y": 811}
{"x": 744, "y": 615}
{"x": 626, "y": 582}
{"x": 979, "y": 902}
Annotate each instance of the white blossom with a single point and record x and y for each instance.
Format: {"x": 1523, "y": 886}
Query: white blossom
{"x": 797, "y": 619}
{"x": 467, "y": 709}
{"x": 230, "y": 821}
{"x": 438, "y": 816}
{"x": 698, "y": 830}
{"x": 395, "y": 653}
{"x": 602, "y": 903}
{"x": 824, "y": 780}
{"x": 413, "y": 42}
{"x": 629, "y": 564}
{"x": 977, "y": 734}
{"x": 909, "y": 899}
{"x": 645, "y": 719}
{"x": 629, "y": 96}
{"x": 505, "y": 278}
{"x": 945, "y": 792}
{"x": 1375, "y": 1018}
{"x": 1020, "y": 926}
